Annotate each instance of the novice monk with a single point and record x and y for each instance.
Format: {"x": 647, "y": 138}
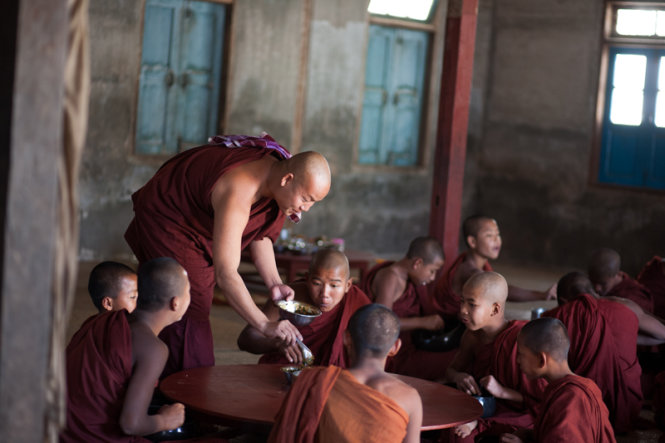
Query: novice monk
{"x": 329, "y": 287}
{"x": 115, "y": 359}
{"x": 361, "y": 404}
{"x": 573, "y": 408}
{"x": 603, "y": 336}
{"x": 112, "y": 287}
{"x": 652, "y": 276}
{"x": 400, "y": 286}
{"x": 487, "y": 359}
{"x": 608, "y": 279}
{"x": 481, "y": 234}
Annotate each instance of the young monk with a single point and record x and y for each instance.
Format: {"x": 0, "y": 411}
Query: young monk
{"x": 486, "y": 360}
{"x": 363, "y": 403}
{"x": 112, "y": 287}
{"x": 115, "y": 359}
{"x": 603, "y": 348}
{"x": 330, "y": 288}
{"x": 609, "y": 280}
{"x": 652, "y": 276}
{"x": 573, "y": 408}
{"x": 483, "y": 239}
{"x": 401, "y": 287}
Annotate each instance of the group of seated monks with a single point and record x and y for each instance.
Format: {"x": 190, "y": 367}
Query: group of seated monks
{"x": 573, "y": 374}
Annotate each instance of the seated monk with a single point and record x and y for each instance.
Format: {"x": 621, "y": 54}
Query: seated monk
{"x": 400, "y": 286}
{"x": 482, "y": 237}
{"x": 486, "y": 361}
{"x": 112, "y": 287}
{"x": 115, "y": 359}
{"x": 652, "y": 276}
{"x": 573, "y": 408}
{"x": 603, "y": 346}
{"x": 361, "y": 404}
{"x": 329, "y": 287}
{"x": 609, "y": 280}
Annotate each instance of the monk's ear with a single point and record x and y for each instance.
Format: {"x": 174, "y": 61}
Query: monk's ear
{"x": 471, "y": 241}
{"x": 542, "y": 360}
{"x": 348, "y": 284}
{"x": 286, "y": 179}
{"x": 418, "y": 262}
{"x": 107, "y": 303}
{"x": 496, "y": 308}
{"x": 174, "y": 303}
{"x": 394, "y": 349}
{"x": 348, "y": 343}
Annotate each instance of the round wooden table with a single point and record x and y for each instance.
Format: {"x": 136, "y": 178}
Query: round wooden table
{"x": 254, "y": 394}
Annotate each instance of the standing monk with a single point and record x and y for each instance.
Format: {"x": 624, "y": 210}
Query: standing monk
{"x": 207, "y": 204}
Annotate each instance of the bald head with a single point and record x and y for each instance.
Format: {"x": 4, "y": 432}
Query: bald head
{"x": 330, "y": 259}
{"x": 571, "y": 285}
{"x": 604, "y": 264}
{"x": 159, "y": 280}
{"x": 491, "y": 286}
{"x": 374, "y": 329}
{"x": 428, "y": 249}
{"x": 547, "y": 335}
{"x": 311, "y": 170}
{"x": 472, "y": 225}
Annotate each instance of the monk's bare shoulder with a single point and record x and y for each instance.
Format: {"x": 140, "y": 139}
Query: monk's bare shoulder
{"x": 242, "y": 182}
{"x": 404, "y": 395}
{"x": 145, "y": 344}
{"x": 389, "y": 283}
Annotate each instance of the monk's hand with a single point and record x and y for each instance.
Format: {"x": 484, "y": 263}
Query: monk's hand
{"x": 173, "y": 415}
{"x": 465, "y": 382}
{"x": 464, "y": 430}
{"x": 281, "y": 292}
{"x": 432, "y": 322}
{"x": 510, "y": 438}
{"x": 492, "y": 386}
{"x": 550, "y": 294}
{"x": 283, "y": 330}
{"x": 292, "y": 353}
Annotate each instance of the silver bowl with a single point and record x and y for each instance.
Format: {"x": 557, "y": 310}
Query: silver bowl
{"x": 489, "y": 404}
{"x": 291, "y": 373}
{"x": 297, "y": 312}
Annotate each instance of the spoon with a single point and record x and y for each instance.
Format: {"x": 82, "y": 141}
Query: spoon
{"x": 308, "y": 357}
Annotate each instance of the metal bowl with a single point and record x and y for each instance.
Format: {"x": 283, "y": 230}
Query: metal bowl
{"x": 291, "y": 373}
{"x": 489, "y": 404}
{"x": 298, "y": 313}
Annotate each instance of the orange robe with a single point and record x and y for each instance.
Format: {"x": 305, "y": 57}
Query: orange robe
{"x": 327, "y": 404}
{"x": 633, "y": 290}
{"x": 414, "y": 302}
{"x": 652, "y": 276}
{"x": 573, "y": 411}
{"x": 325, "y": 335}
{"x": 603, "y": 347}
{"x": 99, "y": 366}
{"x": 173, "y": 217}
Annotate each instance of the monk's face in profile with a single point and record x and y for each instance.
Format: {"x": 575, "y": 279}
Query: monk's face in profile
{"x": 476, "y": 310}
{"x": 327, "y": 286}
{"x": 425, "y": 273}
{"x": 528, "y": 360}
{"x": 299, "y": 195}
{"x": 126, "y": 297}
{"x": 184, "y": 298}
{"x": 487, "y": 243}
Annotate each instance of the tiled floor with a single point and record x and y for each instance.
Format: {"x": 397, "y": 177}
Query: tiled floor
{"x": 226, "y": 325}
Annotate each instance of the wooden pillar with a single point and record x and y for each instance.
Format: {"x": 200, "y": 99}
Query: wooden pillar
{"x": 449, "y": 157}
{"x": 31, "y": 113}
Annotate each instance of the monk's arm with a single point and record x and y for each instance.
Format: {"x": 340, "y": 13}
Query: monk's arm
{"x": 415, "y": 410}
{"x": 498, "y": 390}
{"x": 134, "y": 419}
{"x": 516, "y": 293}
{"x": 648, "y": 324}
{"x": 263, "y": 256}
{"x": 461, "y": 362}
{"x": 252, "y": 340}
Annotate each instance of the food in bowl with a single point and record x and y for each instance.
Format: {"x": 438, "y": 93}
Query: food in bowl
{"x": 299, "y": 313}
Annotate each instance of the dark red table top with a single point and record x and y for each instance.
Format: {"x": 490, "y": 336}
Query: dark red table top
{"x": 254, "y": 394}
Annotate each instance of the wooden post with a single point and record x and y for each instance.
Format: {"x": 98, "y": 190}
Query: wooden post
{"x": 449, "y": 157}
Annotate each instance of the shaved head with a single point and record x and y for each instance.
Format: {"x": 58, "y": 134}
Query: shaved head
{"x": 472, "y": 224}
{"x": 374, "y": 329}
{"x": 572, "y": 285}
{"x": 428, "y": 249}
{"x": 330, "y": 259}
{"x": 311, "y": 170}
{"x": 604, "y": 264}
{"x": 160, "y": 279}
{"x": 106, "y": 281}
{"x": 547, "y": 335}
{"x": 491, "y": 286}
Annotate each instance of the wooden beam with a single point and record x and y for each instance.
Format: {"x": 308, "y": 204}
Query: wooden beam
{"x": 450, "y": 153}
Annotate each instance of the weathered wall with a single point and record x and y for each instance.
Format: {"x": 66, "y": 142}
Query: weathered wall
{"x": 531, "y": 169}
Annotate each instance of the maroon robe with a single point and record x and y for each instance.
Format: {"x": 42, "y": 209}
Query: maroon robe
{"x": 652, "y": 276}
{"x": 603, "y": 347}
{"x": 414, "y": 302}
{"x": 325, "y": 335}
{"x": 445, "y": 296}
{"x": 573, "y": 411}
{"x": 499, "y": 359}
{"x": 173, "y": 217}
{"x": 99, "y": 366}
{"x": 633, "y": 290}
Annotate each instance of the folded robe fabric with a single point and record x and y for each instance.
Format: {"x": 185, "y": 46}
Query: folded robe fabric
{"x": 414, "y": 302}
{"x": 325, "y": 335}
{"x": 173, "y": 217}
{"x": 652, "y": 276}
{"x": 603, "y": 348}
{"x": 327, "y": 404}
{"x": 99, "y": 366}
{"x": 633, "y": 290}
{"x": 573, "y": 411}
